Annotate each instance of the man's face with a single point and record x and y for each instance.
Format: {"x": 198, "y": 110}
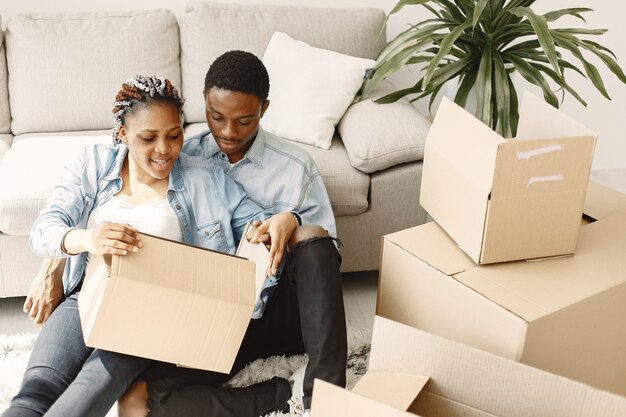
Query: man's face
{"x": 233, "y": 118}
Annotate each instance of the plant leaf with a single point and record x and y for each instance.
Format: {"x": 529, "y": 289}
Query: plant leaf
{"x": 572, "y": 31}
{"x": 466, "y": 85}
{"x": 502, "y": 94}
{"x": 600, "y": 47}
{"x": 478, "y": 10}
{"x": 514, "y": 106}
{"x": 574, "y": 11}
{"x": 483, "y": 88}
{"x": 396, "y": 9}
{"x": 590, "y": 69}
{"x": 444, "y": 48}
{"x": 535, "y": 77}
{"x": 540, "y": 25}
{"x": 608, "y": 61}
{"x": 397, "y": 95}
{"x": 560, "y": 81}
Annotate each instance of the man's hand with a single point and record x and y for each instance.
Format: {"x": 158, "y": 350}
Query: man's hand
{"x": 280, "y": 227}
{"x": 46, "y": 291}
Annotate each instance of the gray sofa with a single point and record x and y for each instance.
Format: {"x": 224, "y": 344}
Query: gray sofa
{"x": 58, "y": 75}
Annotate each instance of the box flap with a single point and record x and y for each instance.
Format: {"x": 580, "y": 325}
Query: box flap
{"x": 432, "y": 245}
{"x": 459, "y": 161}
{"x": 540, "y": 120}
{"x": 332, "y": 401}
{"x": 396, "y": 390}
{"x": 601, "y": 201}
{"x": 537, "y": 197}
{"x": 257, "y": 253}
{"x": 532, "y": 289}
{"x": 178, "y": 304}
{"x": 479, "y": 380}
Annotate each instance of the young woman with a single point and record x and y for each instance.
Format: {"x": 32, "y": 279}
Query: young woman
{"x": 139, "y": 183}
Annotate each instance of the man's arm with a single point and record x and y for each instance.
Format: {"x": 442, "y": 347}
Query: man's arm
{"x": 46, "y": 291}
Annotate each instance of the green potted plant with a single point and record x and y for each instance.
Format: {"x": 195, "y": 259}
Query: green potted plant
{"x": 481, "y": 43}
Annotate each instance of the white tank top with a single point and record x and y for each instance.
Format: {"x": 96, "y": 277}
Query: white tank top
{"x": 158, "y": 218}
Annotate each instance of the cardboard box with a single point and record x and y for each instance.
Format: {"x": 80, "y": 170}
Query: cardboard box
{"x": 430, "y": 376}
{"x": 505, "y": 200}
{"x": 172, "y": 302}
{"x": 565, "y": 315}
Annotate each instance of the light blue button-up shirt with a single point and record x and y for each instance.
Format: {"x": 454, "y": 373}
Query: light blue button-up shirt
{"x": 212, "y": 209}
{"x": 275, "y": 174}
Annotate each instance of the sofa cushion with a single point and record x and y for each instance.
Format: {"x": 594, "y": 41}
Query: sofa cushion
{"x": 65, "y": 69}
{"x": 347, "y": 187}
{"x": 30, "y": 170}
{"x": 209, "y": 29}
{"x": 5, "y": 143}
{"x": 379, "y": 136}
{"x": 311, "y": 89}
{"x": 5, "y": 114}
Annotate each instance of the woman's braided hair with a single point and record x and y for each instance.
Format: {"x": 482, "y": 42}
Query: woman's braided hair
{"x": 137, "y": 93}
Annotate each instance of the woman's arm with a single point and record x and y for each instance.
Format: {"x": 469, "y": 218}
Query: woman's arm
{"x": 59, "y": 230}
{"x": 111, "y": 238}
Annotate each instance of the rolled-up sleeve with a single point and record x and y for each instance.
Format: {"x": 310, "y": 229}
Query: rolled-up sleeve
{"x": 62, "y": 212}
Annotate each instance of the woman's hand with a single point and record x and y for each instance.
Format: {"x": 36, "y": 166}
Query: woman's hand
{"x": 280, "y": 227}
{"x": 106, "y": 238}
{"x": 46, "y": 291}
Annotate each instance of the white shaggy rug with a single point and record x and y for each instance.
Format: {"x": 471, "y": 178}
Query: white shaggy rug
{"x": 15, "y": 351}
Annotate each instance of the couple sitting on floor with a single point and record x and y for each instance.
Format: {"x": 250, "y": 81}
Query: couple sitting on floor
{"x": 150, "y": 180}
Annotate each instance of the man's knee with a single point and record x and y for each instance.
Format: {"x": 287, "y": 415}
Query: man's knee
{"x": 134, "y": 402}
{"x": 307, "y": 232}
{"x": 41, "y": 387}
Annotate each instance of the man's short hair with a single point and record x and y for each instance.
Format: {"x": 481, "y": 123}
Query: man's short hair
{"x": 239, "y": 71}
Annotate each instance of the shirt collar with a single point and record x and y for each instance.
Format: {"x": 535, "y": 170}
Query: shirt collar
{"x": 254, "y": 154}
{"x": 120, "y": 155}
{"x": 176, "y": 177}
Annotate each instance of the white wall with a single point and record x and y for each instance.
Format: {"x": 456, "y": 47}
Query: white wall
{"x": 607, "y": 118}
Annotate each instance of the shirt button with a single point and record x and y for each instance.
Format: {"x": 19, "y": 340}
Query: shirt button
{"x": 177, "y": 206}
{"x": 187, "y": 228}
{"x": 170, "y": 193}
{"x": 223, "y": 156}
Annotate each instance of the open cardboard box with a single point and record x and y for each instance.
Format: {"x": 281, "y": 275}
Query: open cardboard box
{"x": 503, "y": 200}
{"x": 172, "y": 302}
{"x": 564, "y": 315}
{"x": 430, "y": 376}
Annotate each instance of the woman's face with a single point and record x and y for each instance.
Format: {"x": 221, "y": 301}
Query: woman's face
{"x": 154, "y": 136}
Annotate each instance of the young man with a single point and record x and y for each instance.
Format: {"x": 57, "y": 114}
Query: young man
{"x": 300, "y": 310}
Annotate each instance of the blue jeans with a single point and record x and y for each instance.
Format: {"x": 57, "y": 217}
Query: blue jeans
{"x": 66, "y": 378}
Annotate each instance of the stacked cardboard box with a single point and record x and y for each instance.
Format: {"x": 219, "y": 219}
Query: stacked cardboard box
{"x": 503, "y": 200}
{"x": 472, "y": 283}
{"x": 415, "y": 371}
{"x": 494, "y": 202}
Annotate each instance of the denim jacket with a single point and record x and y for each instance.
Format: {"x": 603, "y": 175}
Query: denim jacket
{"x": 299, "y": 189}
{"x": 211, "y": 208}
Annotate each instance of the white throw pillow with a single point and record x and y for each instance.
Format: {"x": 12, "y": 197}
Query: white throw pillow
{"x": 310, "y": 89}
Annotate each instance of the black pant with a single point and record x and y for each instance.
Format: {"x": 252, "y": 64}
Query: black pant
{"x": 304, "y": 314}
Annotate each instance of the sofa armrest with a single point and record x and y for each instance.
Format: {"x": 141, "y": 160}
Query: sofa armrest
{"x": 379, "y": 136}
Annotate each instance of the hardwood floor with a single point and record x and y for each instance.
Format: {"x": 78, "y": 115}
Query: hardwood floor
{"x": 359, "y": 300}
